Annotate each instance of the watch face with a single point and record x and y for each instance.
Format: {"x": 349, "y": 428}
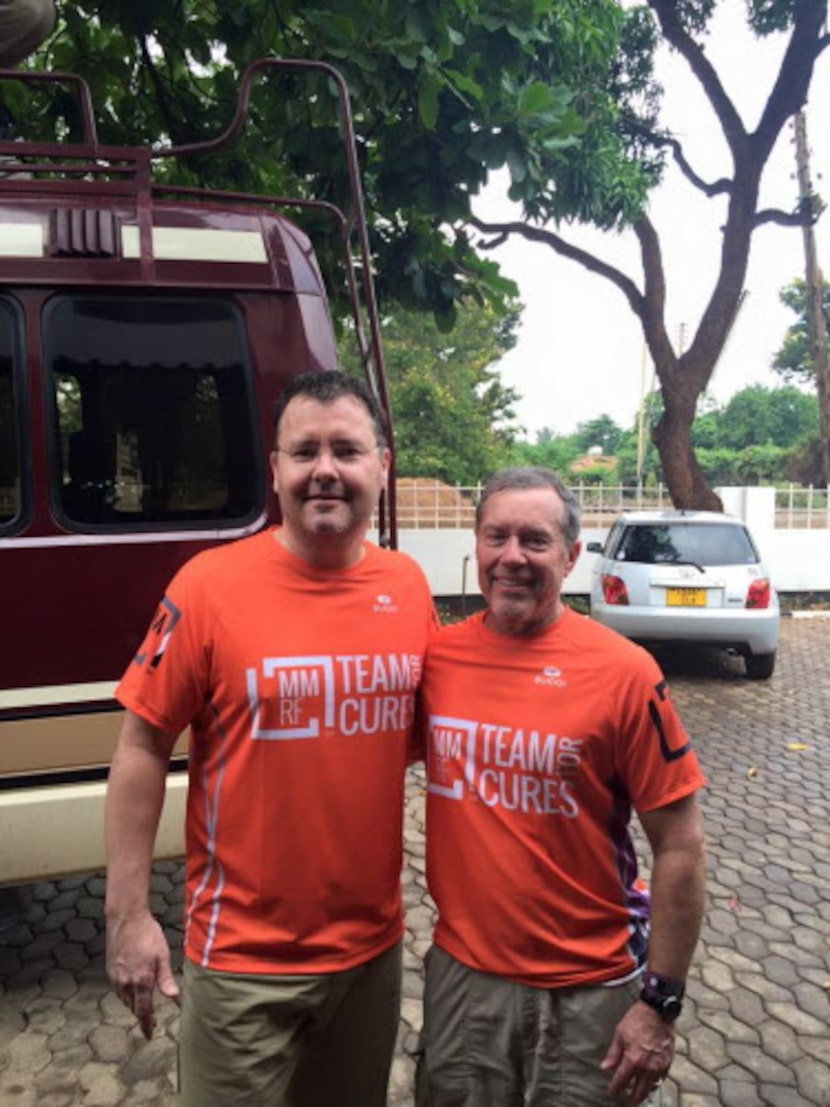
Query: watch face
{"x": 670, "y": 1008}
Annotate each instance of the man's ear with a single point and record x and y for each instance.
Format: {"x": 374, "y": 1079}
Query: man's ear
{"x": 573, "y": 555}
{"x": 273, "y": 458}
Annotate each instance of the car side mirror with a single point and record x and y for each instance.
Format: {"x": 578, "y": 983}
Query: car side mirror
{"x": 595, "y": 547}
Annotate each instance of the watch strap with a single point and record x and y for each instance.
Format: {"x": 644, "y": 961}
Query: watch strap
{"x": 662, "y": 986}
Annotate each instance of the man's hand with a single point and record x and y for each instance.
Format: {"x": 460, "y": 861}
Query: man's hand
{"x": 639, "y": 1055}
{"x": 138, "y": 962}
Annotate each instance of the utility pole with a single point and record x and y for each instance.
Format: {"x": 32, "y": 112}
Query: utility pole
{"x": 816, "y": 322}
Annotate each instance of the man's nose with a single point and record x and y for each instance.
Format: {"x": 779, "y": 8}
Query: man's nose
{"x": 512, "y": 552}
{"x": 325, "y": 465}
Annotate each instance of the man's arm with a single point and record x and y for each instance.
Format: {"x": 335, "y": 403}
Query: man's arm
{"x": 643, "y": 1045}
{"x": 138, "y": 957}
{"x": 678, "y": 885}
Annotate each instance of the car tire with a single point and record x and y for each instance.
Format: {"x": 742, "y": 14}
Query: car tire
{"x": 760, "y": 666}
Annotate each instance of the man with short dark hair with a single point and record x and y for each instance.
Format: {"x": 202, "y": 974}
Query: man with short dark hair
{"x": 294, "y": 657}
{"x": 553, "y": 981}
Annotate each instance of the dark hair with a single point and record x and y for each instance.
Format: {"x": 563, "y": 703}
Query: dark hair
{"x": 507, "y": 480}
{"x": 327, "y": 386}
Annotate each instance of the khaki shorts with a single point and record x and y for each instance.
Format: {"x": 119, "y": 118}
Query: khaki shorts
{"x": 488, "y": 1042}
{"x": 289, "y": 1041}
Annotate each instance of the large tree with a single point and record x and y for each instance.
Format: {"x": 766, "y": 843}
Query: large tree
{"x": 684, "y": 375}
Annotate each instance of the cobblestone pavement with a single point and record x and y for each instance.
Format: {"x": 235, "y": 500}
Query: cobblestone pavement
{"x": 755, "y": 1029}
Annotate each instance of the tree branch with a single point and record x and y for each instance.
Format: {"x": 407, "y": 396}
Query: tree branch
{"x": 798, "y": 218}
{"x": 170, "y": 121}
{"x": 677, "y": 36}
{"x": 715, "y": 188}
{"x": 789, "y": 93}
{"x": 566, "y": 249}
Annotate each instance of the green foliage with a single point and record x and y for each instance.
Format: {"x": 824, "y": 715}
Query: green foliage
{"x": 627, "y": 459}
{"x": 759, "y": 436}
{"x": 549, "y": 450}
{"x": 793, "y": 362}
{"x": 443, "y": 94}
{"x": 600, "y": 431}
{"x": 596, "y": 475}
{"x": 760, "y": 464}
{"x": 766, "y": 416}
{"x": 453, "y": 417}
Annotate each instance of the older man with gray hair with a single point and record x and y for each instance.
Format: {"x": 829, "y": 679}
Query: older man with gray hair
{"x": 555, "y": 977}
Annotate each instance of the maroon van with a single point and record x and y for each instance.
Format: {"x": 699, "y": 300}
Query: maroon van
{"x": 145, "y": 333}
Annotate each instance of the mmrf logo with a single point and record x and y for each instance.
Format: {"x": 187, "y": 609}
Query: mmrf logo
{"x": 348, "y": 694}
{"x": 302, "y": 700}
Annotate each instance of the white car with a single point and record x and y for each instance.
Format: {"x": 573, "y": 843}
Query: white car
{"x": 687, "y": 576}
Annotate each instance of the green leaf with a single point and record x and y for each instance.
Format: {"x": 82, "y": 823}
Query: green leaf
{"x": 428, "y": 92}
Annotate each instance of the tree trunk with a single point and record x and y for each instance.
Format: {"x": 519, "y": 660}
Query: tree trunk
{"x": 687, "y": 483}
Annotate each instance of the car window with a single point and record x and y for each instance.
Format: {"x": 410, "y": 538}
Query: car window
{"x": 702, "y": 544}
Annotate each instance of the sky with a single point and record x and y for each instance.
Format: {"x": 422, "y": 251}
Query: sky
{"x": 580, "y": 351}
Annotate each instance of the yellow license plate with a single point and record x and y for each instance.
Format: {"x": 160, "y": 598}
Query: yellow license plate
{"x": 686, "y": 597}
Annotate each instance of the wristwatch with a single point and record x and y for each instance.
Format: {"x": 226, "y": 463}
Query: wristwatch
{"x": 663, "y": 995}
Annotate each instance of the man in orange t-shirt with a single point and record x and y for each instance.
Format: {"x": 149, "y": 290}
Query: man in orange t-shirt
{"x": 554, "y": 977}
{"x": 294, "y": 657}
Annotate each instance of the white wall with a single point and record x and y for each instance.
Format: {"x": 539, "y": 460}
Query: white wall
{"x": 799, "y": 560}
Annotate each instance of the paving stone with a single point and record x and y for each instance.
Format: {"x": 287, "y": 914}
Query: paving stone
{"x": 707, "y": 1048}
{"x": 16, "y": 1090}
{"x": 738, "y": 1094}
{"x": 776, "y": 1096}
{"x": 27, "y": 1052}
{"x": 109, "y": 1043}
{"x": 765, "y": 1068}
{"x": 813, "y": 1080}
{"x": 151, "y": 1059}
{"x": 100, "y": 1084}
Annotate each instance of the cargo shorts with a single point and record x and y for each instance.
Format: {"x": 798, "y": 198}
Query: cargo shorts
{"x": 488, "y": 1042}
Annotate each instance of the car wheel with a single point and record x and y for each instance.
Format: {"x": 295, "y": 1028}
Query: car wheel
{"x": 760, "y": 666}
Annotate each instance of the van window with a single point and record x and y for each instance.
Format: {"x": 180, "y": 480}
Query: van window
{"x": 152, "y": 412}
{"x": 10, "y": 501}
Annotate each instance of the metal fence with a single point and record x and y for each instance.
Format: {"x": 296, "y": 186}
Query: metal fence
{"x": 430, "y": 504}
{"x": 798, "y": 507}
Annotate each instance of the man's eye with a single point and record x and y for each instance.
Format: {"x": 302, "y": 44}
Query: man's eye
{"x": 494, "y": 538}
{"x": 303, "y": 453}
{"x": 347, "y": 453}
{"x": 538, "y": 545}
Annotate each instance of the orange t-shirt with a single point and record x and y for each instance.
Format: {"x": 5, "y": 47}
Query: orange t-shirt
{"x": 298, "y": 685}
{"x": 538, "y": 748}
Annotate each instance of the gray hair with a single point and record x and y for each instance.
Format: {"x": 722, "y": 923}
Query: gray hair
{"x": 508, "y": 480}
